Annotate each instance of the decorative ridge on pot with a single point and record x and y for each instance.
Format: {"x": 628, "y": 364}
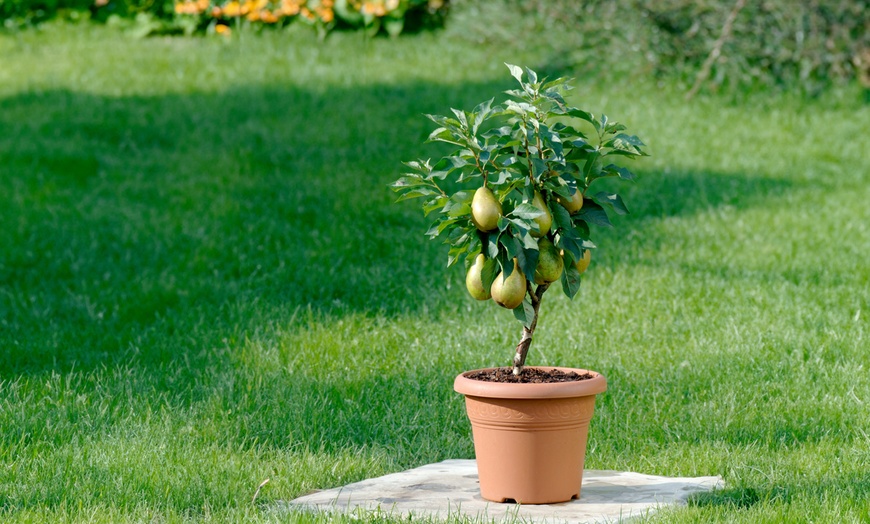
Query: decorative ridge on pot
{"x": 575, "y": 388}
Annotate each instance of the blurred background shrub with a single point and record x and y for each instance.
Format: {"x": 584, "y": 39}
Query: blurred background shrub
{"x": 785, "y": 44}
{"x": 807, "y": 45}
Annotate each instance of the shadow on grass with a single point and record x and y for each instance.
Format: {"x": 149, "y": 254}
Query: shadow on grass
{"x": 157, "y": 228}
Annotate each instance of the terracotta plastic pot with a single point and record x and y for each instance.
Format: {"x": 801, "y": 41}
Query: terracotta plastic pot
{"x": 530, "y": 439}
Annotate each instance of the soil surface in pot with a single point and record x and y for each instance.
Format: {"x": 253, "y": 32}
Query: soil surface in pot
{"x": 528, "y": 376}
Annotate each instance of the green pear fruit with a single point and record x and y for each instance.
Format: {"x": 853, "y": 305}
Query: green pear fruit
{"x": 485, "y": 209}
{"x": 550, "y": 263}
{"x": 509, "y": 292}
{"x": 474, "y": 282}
{"x": 544, "y": 221}
{"x": 583, "y": 263}
{"x": 574, "y": 204}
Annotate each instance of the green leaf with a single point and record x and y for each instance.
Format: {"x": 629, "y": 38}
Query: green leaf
{"x": 570, "y": 280}
{"x": 527, "y": 211}
{"x": 516, "y": 72}
{"x": 510, "y": 244}
{"x": 560, "y": 106}
{"x": 518, "y": 226}
{"x": 593, "y": 213}
{"x": 567, "y": 131}
{"x": 557, "y": 85}
{"x": 551, "y": 140}
{"x": 525, "y": 312}
{"x": 444, "y": 121}
{"x": 408, "y": 181}
{"x": 533, "y": 77}
{"x": 489, "y": 272}
{"x": 442, "y": 134}
{"x": 583, "y": 115}
{"x": 632, "y": 140}
{"x": 580, "y": 226}
{"x": 434, "y": 204}
{"x": 460, "y": 240}
{"x": 458, "y": 236}
{"x": 569, "y": 240}
{"x": 417, "y": 193}
{"x": 502, "y": 177}
{"x": 498, "y": 131}
{"x": 581, "y": 143}
{"x": 456, "y": 161}
{"x": 621, "y": 172}
{"x": 528, "y": 262}
{"x": 440, "y": 225}
{"x": 459, "y": 204}
{"x": 628, "y": 145}
{"x": 462, "y": 117}
{"x": 540, "y": 167}
{"x": 419, "y": 165}
{"x": 528, "y": 240}
{"x": 613, "y": 200}
{"x": 614, "y": 127}
{"x": 482, "y": 112}
{"x": 626, "y": 152}
{"x": 589, "y": 167}
{"x": 491, "y": 249}
{"x": 519, "y": 108}
{"x": 561, "y": 217}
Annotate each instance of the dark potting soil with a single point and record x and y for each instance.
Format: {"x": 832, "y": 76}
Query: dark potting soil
{"x": 528, "y": 376}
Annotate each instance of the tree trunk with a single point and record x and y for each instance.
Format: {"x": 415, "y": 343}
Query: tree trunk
{"x": 526, "y": 339}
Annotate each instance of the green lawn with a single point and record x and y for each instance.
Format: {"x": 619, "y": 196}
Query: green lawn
{"x": 204, "y": 282}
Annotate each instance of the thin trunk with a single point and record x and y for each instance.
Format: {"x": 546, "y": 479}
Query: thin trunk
{"x": 526, "y": 339}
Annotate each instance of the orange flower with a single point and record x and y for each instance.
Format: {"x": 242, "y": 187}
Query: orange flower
{"x": 325, "y": 14}
{"x": 289, "y": 7}
{"x": 268, "y": 17}
{"x": 222, "y": 29}
{"x": 232, "y": 9}
{"x": 374, "y": 8}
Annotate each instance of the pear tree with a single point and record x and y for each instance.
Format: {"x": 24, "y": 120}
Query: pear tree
{"x": 520, "y": 209}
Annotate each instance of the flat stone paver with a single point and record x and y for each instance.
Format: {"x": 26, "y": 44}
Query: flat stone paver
{"x": 449, "y": 488}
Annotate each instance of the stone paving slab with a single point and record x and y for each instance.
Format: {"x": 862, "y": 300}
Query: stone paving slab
{"x": 451, "y": 488}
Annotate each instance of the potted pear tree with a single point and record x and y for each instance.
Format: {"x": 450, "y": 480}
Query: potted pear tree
{"x": 513, "y": 201}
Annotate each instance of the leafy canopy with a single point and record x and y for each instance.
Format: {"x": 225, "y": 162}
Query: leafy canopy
{"x": 531, "y": 142}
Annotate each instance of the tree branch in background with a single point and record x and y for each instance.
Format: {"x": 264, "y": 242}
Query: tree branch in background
{"x": 716, "y": 52}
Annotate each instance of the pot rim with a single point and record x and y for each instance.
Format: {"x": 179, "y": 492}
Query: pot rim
{"x": 580, "y": 388}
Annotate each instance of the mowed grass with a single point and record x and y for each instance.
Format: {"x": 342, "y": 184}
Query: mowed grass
{"x": 204, "y": 282}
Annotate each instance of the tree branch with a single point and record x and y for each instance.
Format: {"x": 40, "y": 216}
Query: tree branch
{"x": 704, "y": 73}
